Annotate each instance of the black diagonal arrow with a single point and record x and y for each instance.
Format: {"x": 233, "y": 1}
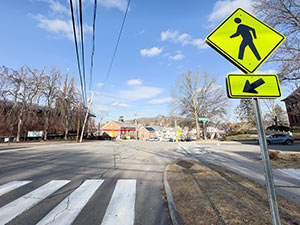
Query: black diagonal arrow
{"x": 250, "y": 88}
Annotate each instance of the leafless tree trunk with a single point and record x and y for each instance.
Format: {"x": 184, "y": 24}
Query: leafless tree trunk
{"x": 50, "y": 92}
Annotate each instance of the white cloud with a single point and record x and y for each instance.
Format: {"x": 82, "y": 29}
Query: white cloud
{"x": 177, "y": 57}
{"x": 151, "y": 52}
{"x": 183, "y": 39}
{"x": 140, "y": 92}
{"x": 134, "y": 82}
{"x": 100, "y": 84}
{"x": 224, "y": 8}
{"x": 57, "y": 7}
{"x": 61, "y": 27}
{"x": 269, "y": 71}
{"x": 117, "y": 104}
{"x": 102, "y": 108}
{"x": 216, "y": 86}
{"x": 169, "y": 35}
{"x": 160, "y": 100}
{"x": 119, "y": 4}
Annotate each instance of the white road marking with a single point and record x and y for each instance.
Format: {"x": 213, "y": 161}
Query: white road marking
{"x": 121, "y": 206}
{"x": 5, "y": 188}
{"x": 20, "y": 205}
{"x": 66, "y": 212}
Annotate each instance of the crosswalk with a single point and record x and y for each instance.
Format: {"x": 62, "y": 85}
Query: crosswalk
{"x": 120, "y": 209}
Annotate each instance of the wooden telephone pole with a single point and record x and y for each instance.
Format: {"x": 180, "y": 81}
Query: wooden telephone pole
{"x": 78, "y": 122}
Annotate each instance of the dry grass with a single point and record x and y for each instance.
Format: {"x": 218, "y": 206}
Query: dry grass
{"x": 208, "y": 194}
{"x": 242, "y": 137}
{"x": 286, "y": 160}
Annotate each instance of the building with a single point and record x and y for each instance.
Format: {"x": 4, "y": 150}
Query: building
{"x": 118, "y": 129}
{"x": 292, "y": 103}
{"x": 146, "y": 132}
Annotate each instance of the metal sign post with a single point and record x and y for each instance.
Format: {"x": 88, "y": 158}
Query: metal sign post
{"x": 222, "y": 39}
{"x": 265, "y": 158}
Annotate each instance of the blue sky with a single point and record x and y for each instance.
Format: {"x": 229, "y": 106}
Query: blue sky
{"x": 160, "y": 41}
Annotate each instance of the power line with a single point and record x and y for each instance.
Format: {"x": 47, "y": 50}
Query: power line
{"x": 82, "y": 45}
{"x": 76, "y": 48}
{"x": 93, "y": 51}
{"x": 117, "y": 44}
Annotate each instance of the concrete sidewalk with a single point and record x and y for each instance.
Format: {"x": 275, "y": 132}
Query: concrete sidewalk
{"x": 285, "y": 185}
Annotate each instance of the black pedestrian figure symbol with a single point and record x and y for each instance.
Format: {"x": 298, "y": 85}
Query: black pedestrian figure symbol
{"x": 244, "y": 31}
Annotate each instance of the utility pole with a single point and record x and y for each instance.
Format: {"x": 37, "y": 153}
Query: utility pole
{"x": 87, "y": 113}
{"x": 78, "y": 122}
{"x": 135, "y": 124}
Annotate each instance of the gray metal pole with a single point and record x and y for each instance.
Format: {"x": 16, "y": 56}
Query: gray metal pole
{"x": 86, "y": 116}
{"x": 266, "y": 161}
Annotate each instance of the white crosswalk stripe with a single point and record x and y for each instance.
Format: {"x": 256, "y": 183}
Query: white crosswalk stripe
{"x": 66, "y": 212}
{"x": 5, "y": 188}
{"x": 121, "y": 206}
{"x": 120, "y": 209}
{"x": 15, "y": 208}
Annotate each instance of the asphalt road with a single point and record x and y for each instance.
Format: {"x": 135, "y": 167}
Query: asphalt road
{"x": 280, "y": 147}
{"x": 120, "y": 166}
{"x": 107, "y": 182}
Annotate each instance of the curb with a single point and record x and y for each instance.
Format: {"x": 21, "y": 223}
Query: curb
{"x": 175, "y": 218}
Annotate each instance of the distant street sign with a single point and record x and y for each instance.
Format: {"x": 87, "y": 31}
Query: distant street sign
{"x": 112, "y": 133}
{"x": 253, "y": 86}
{"x": 179, "y": 132}
{"x": 203, "y": 119}
{"x": 245, "y": 40}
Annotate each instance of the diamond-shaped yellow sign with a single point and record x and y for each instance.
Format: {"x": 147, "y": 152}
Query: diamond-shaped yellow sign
{"x": 245, "y": 40}
{"x": 179, "y": 132}
{"x": 253, "y": 86}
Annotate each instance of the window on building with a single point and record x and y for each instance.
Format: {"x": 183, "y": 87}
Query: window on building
{"x": 292, "y": 119}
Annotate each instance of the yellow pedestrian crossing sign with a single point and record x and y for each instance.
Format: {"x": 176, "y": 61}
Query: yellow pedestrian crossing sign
{"x": 179, "y": 132}
{"x": 245, "y": 40}
{"x": 253, "y": 86}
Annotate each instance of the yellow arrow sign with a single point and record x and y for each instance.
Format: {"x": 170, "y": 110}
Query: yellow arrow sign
{"x": 245, "y": 40}
{"x": 253, "y": 86}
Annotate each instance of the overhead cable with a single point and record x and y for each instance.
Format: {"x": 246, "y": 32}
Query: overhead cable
{"x": 82, "y": 46}
{"x": 117, "y": 44}
{"x": 93, "y": 50}
{"x": 77, "y": 53}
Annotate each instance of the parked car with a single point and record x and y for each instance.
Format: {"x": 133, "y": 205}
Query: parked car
{"x": 279, "y": 139}
{"x": 153, "y": 139}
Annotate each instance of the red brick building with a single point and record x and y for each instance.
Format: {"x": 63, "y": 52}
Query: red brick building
{"x": 146, "y": 132}
{"x": 292, "y": 103}
{"x": 117, "y": 129}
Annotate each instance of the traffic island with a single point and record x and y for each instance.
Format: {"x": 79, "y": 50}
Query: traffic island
{"x": 208, "y": 194}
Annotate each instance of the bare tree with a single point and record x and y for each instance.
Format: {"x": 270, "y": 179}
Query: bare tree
{"x": 245, "y": 111}
{"x": 24, "y": 86}
{"x": 197, "y": 95}
{"x": 275, "y": 114}
{"x": 67, "y": 105}
{"x": 50, "y": 91}
{"x": 284, "y": 15}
